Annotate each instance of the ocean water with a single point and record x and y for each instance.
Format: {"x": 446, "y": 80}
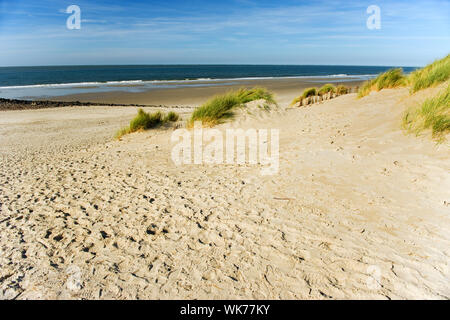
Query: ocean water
{"x": 26, "y": 82}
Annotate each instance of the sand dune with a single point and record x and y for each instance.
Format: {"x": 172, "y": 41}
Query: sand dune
{"x": 358, "y": 209}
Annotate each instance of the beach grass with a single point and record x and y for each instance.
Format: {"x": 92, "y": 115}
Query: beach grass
{"x": 392, "y": 78}
{"x": 220, "y": 107}
{"x": 172, "y": 117}
{"x": 296, "y": 100}
{"x": 309, "y": 92}
{"x": 248, "y": 95}
{"x": 433, "y": 74}
{"x": 341, "y": 89}
{"x": 326, "y": 88}
{"x": 144, "y": 121}
{"x": 433, "y": 114}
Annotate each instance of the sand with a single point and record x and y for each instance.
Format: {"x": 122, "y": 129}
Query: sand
{"x": 358, "y": 209}
{"x": 201, "y": 91}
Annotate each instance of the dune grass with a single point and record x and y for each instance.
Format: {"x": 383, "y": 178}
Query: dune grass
{"x": 219, "y": 108}
{"x": 433, "y": 114}
{"x": 392, "y": 78}
{"x": 326, "y": 88}
{"x": 433, "y": 74}
{"x": 145, "y": 121}
{"x": 341, "y": 89}
{"x": 296, "y": 100}
{"x": 309, "y": 92}
{"x": 171, "y": 117}
{"x": 248, "y": 95}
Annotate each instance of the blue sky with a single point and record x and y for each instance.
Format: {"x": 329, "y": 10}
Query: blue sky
{"x": 412, "y": 33}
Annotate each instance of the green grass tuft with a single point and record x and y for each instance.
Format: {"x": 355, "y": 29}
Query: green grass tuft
{"x": 326, "y": 89}
{"x": 309, "y": 92}
{"x": 296, "y": 100}
{"x": 219, "y": 108}
{"x": 341, "y": 89}
{"x": 433, "y": 114}
{"x": 122, "y": 132}
{"x": 247, "y": 95}
{"x": 172, "y": 117}
{"x": 392, "y": 78}
{"x": 431, "y": 75}
{"x": 145, "y": 121}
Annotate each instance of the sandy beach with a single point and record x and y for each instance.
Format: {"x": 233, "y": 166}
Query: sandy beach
{"x": 196, "y": 95}
{"x": 358, "y": 209}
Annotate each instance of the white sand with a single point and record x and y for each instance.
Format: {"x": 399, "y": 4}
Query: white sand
{"x": 358, "y": 209}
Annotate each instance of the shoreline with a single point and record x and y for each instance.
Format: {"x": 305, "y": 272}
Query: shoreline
{"x": 173, "y": 96}
{"x": 196, "y": 95}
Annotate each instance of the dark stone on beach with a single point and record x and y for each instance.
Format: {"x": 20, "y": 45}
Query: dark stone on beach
{"x": 15, "y": 104}
{"x": 104, "y": 234}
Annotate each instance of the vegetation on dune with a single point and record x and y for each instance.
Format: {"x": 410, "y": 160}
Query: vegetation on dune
{"x": 309, "y": 92}
{"x": 145, "y": 121}
{"x": 392, "y": 78}
{"x": 431, "y": 75}
{"x": 365, "y": 89}
{"x": 341, "y": 89}
{"x": 172, "y": 117}
{"x": 433, "y": 114}
{"x": 219, "y": 108}
{"x": 296, "y": 100}
{"x": 248, "y": 95}
{"x": 326, "y": 89}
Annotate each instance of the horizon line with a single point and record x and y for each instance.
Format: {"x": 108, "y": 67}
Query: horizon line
{"x": 208, "y": 64}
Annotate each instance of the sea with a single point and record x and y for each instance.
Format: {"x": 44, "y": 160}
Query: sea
{"x": 42, "y": 82}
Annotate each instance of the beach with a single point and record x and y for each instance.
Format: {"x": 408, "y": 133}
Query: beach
{"x": 358, "y": 209}
{"x": 200, "y": 91}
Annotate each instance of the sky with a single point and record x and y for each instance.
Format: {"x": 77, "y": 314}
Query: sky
{"x": 412, "y": 33}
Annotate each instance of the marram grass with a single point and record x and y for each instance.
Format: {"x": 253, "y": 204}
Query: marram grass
{"x": 296, "y": 100}
{"x": 309, "y": 92}
{"x": 341, "y": 89}
{"x": 220, "y": 108}
{"x": 433, "y": 114}
{"x": 145, "y": 121}
{"x": 392, "y": 78}
{"x": 433, "y": 74}
{"x": 326, "y": 88}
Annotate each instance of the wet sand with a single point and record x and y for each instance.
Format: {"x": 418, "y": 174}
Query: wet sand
{"x": 193, "y": 96}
